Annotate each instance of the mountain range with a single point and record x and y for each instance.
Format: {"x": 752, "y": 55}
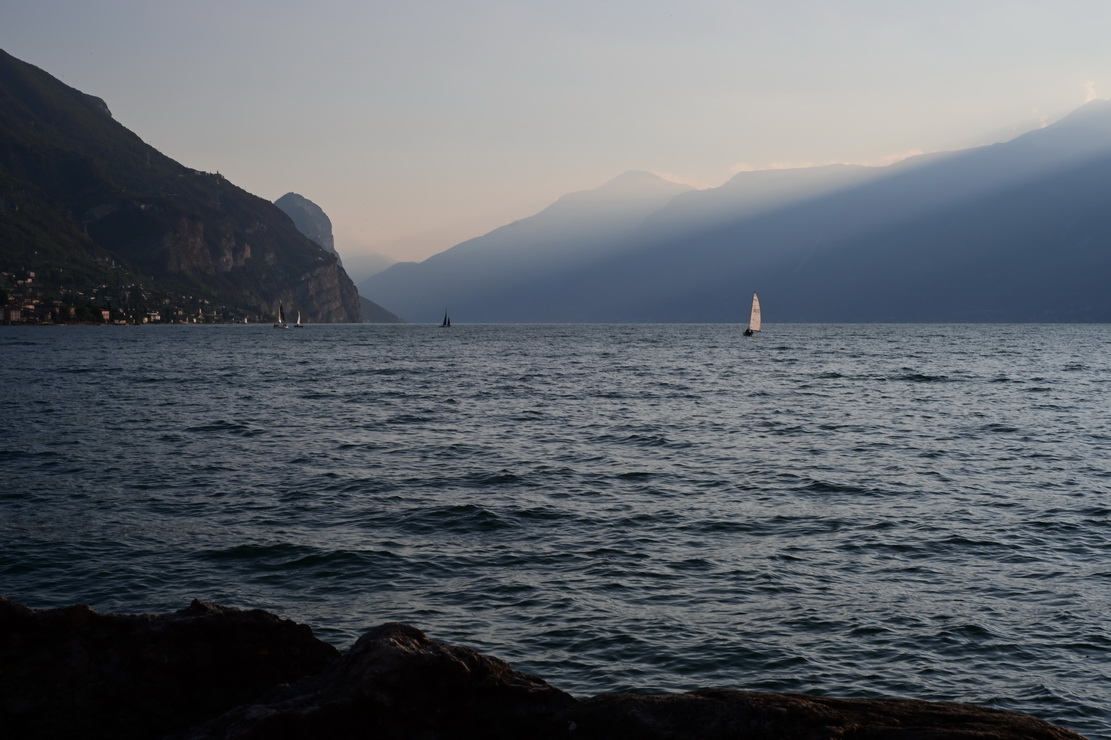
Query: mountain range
{"x": 1017, "y": 231}
{"x": 91, "y": 210}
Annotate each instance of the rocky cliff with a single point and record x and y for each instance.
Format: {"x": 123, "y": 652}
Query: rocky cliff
{"x": 311, "y": 220}
{"x": 90, "y": 203}
{"x": 217, "y": 673}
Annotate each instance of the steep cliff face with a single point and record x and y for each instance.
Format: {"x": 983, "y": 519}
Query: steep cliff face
{"x": 238, "y": 245}
{"x": 332, "y": 293}
{"x": 167, "y": 226}
{"x": 311, "y": 220}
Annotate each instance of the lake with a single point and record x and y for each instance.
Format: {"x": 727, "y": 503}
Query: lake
{"x": 848, "y": 510}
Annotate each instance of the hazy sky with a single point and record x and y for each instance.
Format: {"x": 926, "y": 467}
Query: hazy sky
{"x": 417, "y": 124}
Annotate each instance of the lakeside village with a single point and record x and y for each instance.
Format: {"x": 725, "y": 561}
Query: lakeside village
{"x": 27, "y": 299}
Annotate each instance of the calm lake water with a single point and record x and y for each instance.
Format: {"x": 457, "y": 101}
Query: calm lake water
{"x": 859, "y": 510}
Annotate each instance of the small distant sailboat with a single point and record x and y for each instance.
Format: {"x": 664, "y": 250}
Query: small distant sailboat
{"x": 447, "y": 320}
{"x": 753, "y": 317}
{"x": 298, "y": 325}
{"x": 280, "y": 323}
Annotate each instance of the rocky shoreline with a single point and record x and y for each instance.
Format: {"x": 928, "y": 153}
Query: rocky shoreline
{"x": 210, "y": 672}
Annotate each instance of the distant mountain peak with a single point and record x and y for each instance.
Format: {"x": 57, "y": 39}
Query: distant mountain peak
{"x": 310, "y": 220}
{"x": 634, "y": 176}
{"x": 1083, "y": 133}
{"x": 640, "y": 182}
{"x": 1094, "y": 104}
{"x": 1097, "y": 107}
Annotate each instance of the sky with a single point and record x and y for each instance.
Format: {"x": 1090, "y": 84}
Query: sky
{"x": 417, "y": 124}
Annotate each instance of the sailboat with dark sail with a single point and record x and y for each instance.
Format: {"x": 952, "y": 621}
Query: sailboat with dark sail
{"x": 753, "y": 317}
{"x": 279, "y": 323}
{"x": 447, "y": 320}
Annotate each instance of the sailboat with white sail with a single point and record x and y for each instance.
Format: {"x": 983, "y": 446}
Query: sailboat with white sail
{"x": 279, "y": 323}
{"x": 298, "y": 325}
{"x": 753, "y": 317}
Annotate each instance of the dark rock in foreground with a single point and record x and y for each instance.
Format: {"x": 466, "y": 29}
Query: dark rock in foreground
{"x": 74, "y": 673}
{"x": 396, "y": 683}
{"x": 717, "y": 714}
{"x": 208, "y": 673}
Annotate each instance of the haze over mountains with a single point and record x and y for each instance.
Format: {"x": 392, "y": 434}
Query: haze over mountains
{"x": 1018, "y": 231}
{"x": 555, "y": 243}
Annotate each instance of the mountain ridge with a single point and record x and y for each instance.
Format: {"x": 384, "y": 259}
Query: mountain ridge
{"x": 576, "y": 227}
{"x": 803, "y": 238}
{"x": 99, "y": 216}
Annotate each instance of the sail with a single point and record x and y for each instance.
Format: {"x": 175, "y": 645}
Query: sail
{"x": 281, "y": 313}
{"x": 754, "y": 316}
